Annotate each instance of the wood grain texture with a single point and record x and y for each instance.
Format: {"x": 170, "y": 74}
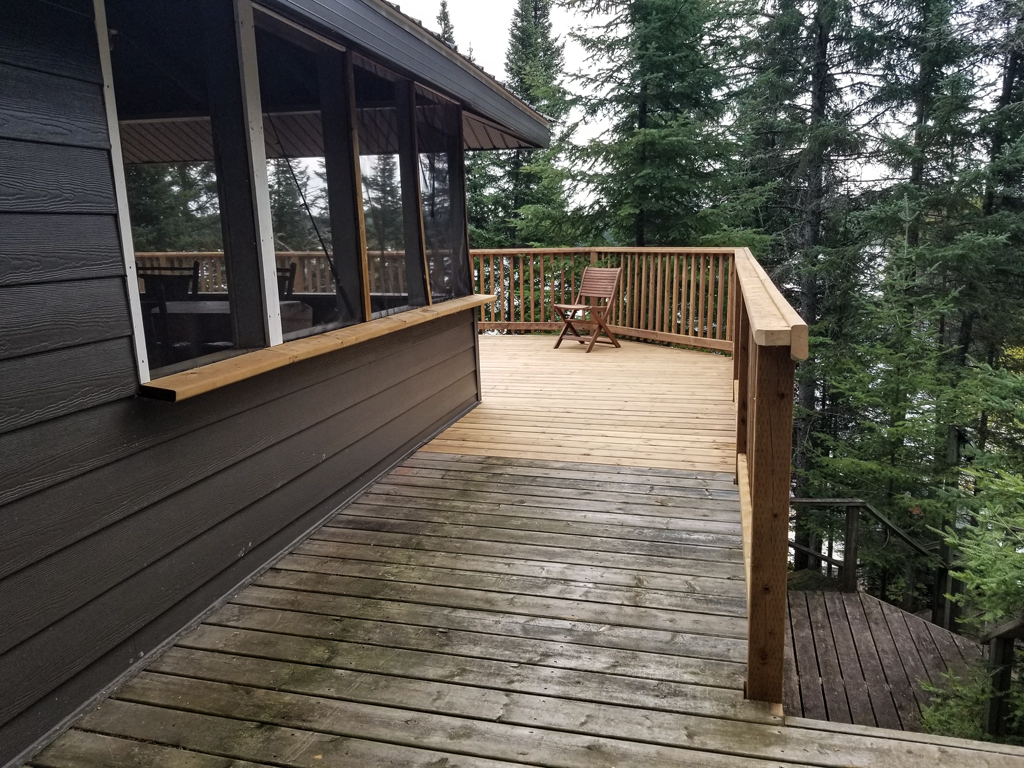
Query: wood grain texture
{"x": 198, "y": 381}
{"x": 871, "y": 657}
{"x": 48, "y": 385}
{"x": 638, "y": 406}
{"x": 30, "y": 28}
{"x": 388, "y": 643}
{"x": 44, "y": 318}
{"x": 45, "y": 178}
{"x": 50, "y": 109}
{"x": 48, "y": 248}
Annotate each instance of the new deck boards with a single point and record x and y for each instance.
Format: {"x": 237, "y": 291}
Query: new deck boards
{"x": 479, "y": 610}
{"x": 639, "y": 406}
{"x": 861, "y": 661}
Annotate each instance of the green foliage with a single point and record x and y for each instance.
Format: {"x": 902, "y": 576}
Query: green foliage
{"x": 173, "y": 207}
{"x": 653, "y": 78}
{"x": 991, "y": 547}
{"x": 444, "y": 22}
{"x": 958, "y": 705}
{"x": 519, "y": 197}
{"x": 293, "y": 227}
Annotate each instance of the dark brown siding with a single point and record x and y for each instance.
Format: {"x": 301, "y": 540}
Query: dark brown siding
{"x": 122, "y": 520}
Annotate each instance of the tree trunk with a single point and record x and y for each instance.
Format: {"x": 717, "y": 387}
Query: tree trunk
{"x": 808, "y": 243}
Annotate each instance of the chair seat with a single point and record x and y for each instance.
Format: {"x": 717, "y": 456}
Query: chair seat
{"x": 575, "y": 306}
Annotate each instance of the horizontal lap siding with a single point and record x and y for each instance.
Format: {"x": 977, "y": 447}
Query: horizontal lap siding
{"x": 125, "y": 519}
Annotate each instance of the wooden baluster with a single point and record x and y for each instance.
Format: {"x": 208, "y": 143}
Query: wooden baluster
{"x": 691, "y": 285}
{"x": 543, "y": 287}
{"x": 701, "y": 293}
{"x": 740, "y": 362}
{"x": 719, "y": 331}
{"x": 676, "y": 304}
{"x": 533, "y": 304}
{"x": 644, "y": 258}
{"x": 666, "y": 293}
{"x": 657, "y": 302}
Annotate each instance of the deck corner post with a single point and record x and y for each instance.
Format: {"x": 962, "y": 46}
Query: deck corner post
{"x": 769, "y": 447}
{"x": 1000, "y": 664}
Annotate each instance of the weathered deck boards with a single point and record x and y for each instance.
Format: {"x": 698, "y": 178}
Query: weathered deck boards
{"x": 639, "y": 406}
{"x": 859, "y": 660}
{"x": 475, "y": 611}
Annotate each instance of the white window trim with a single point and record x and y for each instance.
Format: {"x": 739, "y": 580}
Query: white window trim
{"x": 245, "y": 29}
{"x": 121, "y": 194}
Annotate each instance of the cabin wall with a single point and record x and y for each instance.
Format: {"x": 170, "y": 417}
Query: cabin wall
{"x": 122, "y": 520}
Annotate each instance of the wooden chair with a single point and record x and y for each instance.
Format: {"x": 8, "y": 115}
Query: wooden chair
{"x": 599, "y": 285}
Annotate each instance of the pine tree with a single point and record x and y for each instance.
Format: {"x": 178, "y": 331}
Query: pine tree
{"x": 656, "y": 79}
{"x": 444, "y": 24}
{"x": 293, "y": 229}
{"x": 174, "y": 207}
{"x": 518, "y": 197}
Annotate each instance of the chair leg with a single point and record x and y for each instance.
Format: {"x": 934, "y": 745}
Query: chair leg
{"x": 565, "y": 328}
{"x": 608, "y": 332}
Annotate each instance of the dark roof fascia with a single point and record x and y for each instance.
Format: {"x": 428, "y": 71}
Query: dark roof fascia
{"x": 384, "y": 33}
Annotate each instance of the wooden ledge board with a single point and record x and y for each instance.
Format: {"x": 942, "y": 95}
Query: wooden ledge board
{"x": 181, "y": 386}
{"x": 774, "y": 322}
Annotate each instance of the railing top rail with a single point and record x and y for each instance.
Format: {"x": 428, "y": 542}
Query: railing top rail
{"x": 600, "y": 249}
{"x": 773, "y": 321}
{"x": 216, "y": 254}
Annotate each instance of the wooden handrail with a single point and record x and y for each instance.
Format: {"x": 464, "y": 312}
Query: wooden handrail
{"x": 769, "y": 337}
{"x": 773, "y": 321}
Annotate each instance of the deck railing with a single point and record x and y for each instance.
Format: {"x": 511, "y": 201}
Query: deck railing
{"x": 678, "y": 295}
{"x": 770, "y": 337}
{"x": 312, "y": 273}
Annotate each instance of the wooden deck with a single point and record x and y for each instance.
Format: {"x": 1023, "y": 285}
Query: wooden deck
{"x": 475, "y": 610}
{"x": 852, "y": 658}
{"x": 639, "y": 406}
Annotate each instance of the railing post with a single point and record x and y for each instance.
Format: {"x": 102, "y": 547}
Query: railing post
{"x": 769, "y": 447}
{"x": 1000, "y": 664}
{"x": 850, "y": 549}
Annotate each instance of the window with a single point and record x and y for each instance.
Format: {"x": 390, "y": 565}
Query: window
{"x": 393, "y": 240}
{"x": 442, "y": 195}
{"x": 173, "y": 189}
{"x": 277, "y": 185}
{"x": 303, "y": 89}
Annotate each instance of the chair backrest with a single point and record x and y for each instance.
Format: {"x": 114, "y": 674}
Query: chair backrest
{"x": 170, "y": 283}
{"x": 286, "y": 280}
{"x": 599, "y": 283}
